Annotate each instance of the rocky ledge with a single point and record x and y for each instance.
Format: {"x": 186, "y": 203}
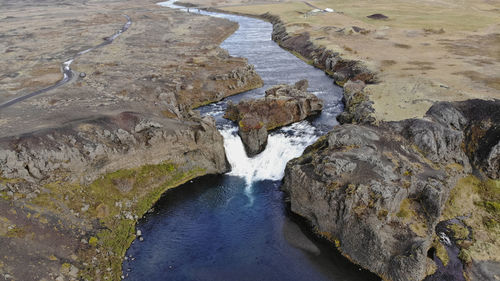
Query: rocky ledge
{"x": 378, "y": 191}
{"x": 281, "y": 106}
{"x": 70, "y": 196}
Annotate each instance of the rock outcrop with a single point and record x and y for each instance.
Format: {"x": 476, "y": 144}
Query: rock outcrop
{"x": 80, "y": 164}
{"x": 82, "y": 151}
{"x": 238, "y": 80}
{"x": 379, "y": 191}
{"x": 87, "y": 183}
{"x": 281, "y": 106}
{"x": 350, "y": 74}
{"x": 358, "y": 107}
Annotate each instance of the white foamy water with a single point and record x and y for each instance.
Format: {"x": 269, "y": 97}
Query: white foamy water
{"x": 282, "y": 146}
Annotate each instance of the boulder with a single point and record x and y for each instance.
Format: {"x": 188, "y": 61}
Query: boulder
{"x": 378, "y": 17}
{"x": 253, "y": 135}
{"x": 281, "y": 106}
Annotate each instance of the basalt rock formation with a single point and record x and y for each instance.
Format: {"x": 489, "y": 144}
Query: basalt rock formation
{"x": 378, "y": 191}
{"x": 357, "y": 106}
{"x": 281, "y": 106}
{"x": 350, "y": 74}
{"x": 82, "y": 151}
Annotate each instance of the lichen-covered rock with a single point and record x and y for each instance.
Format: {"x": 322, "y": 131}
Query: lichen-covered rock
{"x": 282, "y": 105}
{"x": 350, "y": 74}
{"x": 94, "y": 178}
{"x": 493, "y": 162}
{"x": 438, "y": 143}
{"x": 482, "y": 134}
{"x": 253, "y": 135}
{"x": 479, "y": 123}
{"x": 378, "y": 191}
{"x": 358, "y": 107}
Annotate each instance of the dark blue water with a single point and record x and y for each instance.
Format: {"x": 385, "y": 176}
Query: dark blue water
{"x": 205, "y": 230}
{"x": 236, "y": 226}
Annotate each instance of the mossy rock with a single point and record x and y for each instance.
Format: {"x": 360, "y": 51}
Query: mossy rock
{"x": 460, "y": 232}
{"x": 465, "y": 256}
{"x": 441, "y": 252}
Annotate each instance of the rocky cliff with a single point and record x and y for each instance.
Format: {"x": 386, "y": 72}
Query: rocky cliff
{"x": 378, "y": 191}
{"x": 460, "y": 233}
{"x": 281, "y": 106}
{"x": 353, "y": 75}
{"x": 88, "y": 182}
{"x": 83, "y": 150}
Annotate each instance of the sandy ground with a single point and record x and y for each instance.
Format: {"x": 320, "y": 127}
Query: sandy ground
{"x": 425, "y": 51}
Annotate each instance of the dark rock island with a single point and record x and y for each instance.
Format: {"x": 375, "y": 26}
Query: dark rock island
{"x": 281, "y": 106}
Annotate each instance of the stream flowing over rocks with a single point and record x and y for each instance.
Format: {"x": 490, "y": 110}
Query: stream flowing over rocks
{"x": 462, "y": 140}
{"x": 81, "y": 163}
{"x": 76, "y": 193}
{"x": 374, "y": 190}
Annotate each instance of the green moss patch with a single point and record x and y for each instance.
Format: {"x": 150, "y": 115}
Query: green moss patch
{"x": 460, "y": 232}
{"x": 477, "y": 201}
{"x": 465, "y": 256}
{"x": 405, "y": 212}
{"x": 441, "y": 251}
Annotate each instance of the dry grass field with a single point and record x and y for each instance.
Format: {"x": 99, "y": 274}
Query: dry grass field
{"x": 425, "y": 51}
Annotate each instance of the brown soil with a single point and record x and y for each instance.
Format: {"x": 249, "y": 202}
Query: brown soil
{"x": 162, "y": 52}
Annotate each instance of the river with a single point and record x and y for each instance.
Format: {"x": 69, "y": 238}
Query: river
{"x": 237, "y": 226}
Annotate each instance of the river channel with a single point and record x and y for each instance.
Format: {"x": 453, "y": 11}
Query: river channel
{"x": 237, "y": 226}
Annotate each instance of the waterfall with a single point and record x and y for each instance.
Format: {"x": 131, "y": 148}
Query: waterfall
{"x": 282, "y": 146}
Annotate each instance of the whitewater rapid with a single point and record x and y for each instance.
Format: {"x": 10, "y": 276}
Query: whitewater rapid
{"x": 283, "y": 144}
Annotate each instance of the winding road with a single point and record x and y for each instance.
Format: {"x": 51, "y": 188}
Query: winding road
{"x": 68, "y": 74}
